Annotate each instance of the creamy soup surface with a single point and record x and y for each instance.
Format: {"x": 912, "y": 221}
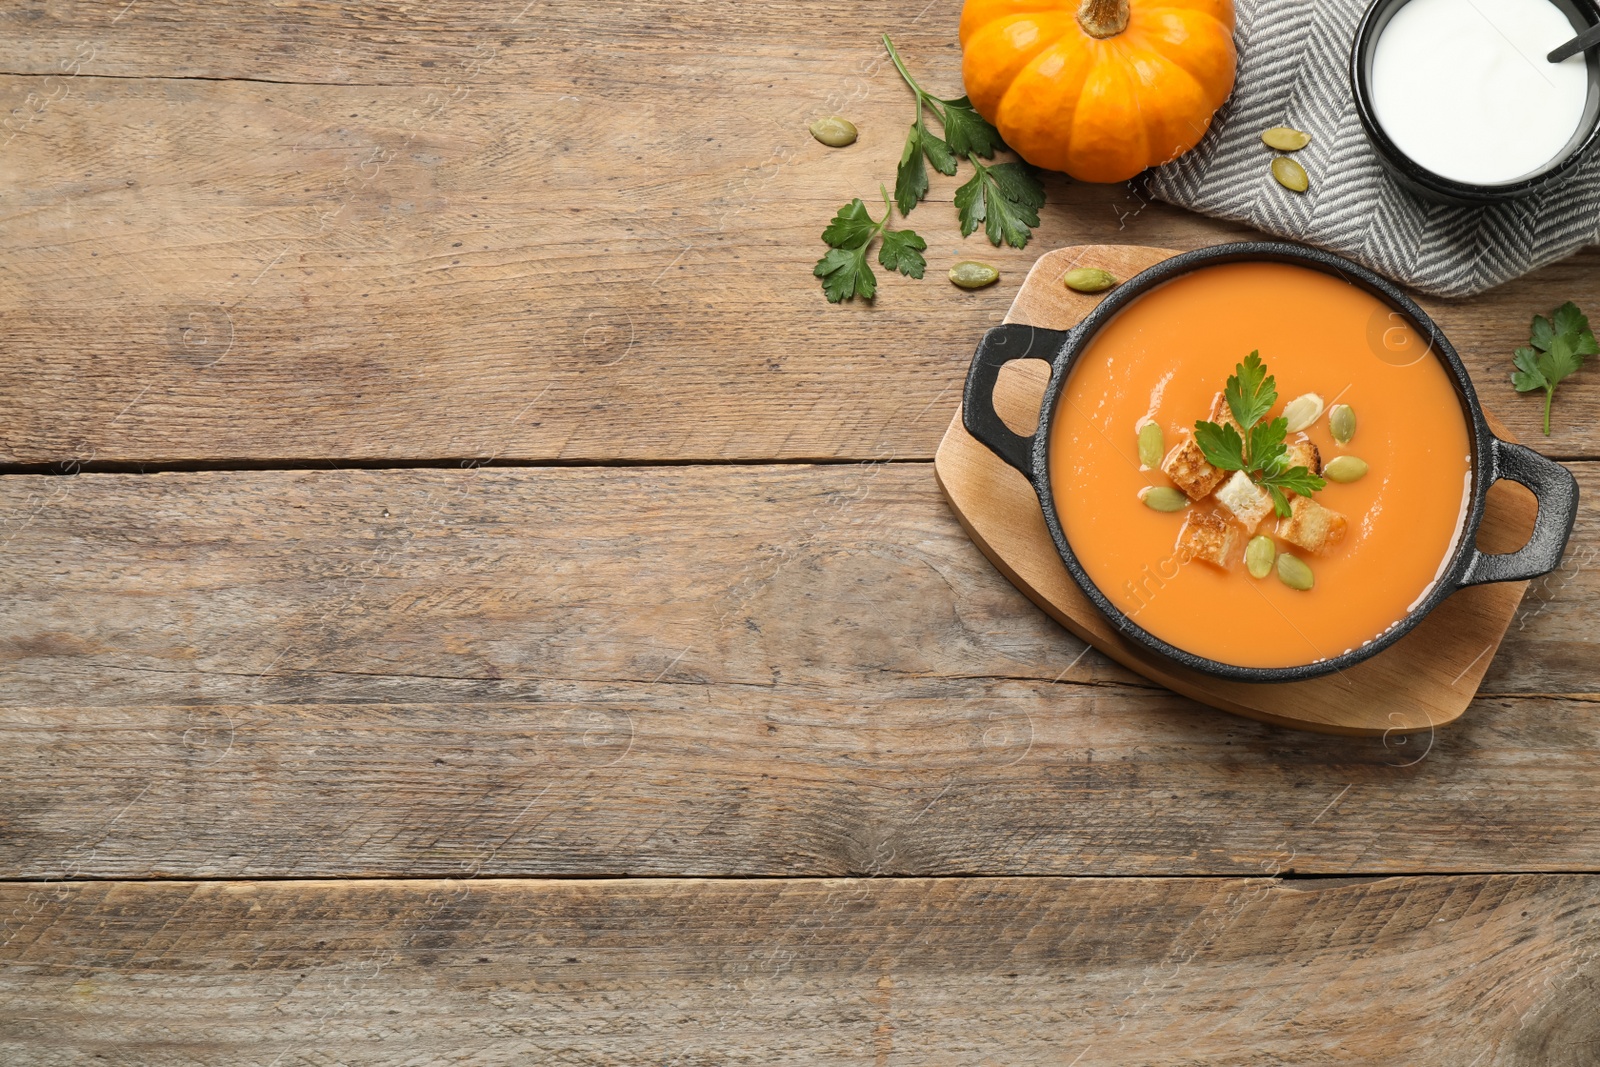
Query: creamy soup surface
{"x": 1164, "y": 357}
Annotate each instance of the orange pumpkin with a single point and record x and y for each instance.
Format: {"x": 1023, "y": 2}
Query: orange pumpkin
{"x": 1101, "y": 89}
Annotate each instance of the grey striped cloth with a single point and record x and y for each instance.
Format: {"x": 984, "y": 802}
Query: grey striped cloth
{"x": 1293, "y": 71}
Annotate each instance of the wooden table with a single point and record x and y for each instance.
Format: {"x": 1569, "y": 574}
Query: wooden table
{"x": 469, "y": 600}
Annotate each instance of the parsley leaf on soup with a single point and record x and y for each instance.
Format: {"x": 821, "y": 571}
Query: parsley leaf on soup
{"x": 1222, "y": 445}
{"x": 1295, "y": 479}
{"x": 1266, "y": 446}
{"x": 1261, "y": 452}
{"x": 1250, "y": 390}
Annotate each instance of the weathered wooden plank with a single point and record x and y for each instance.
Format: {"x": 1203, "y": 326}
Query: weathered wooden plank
{"x": 238, "y": 271}
{"x": 407, "y": 42}
{"x": 695, "y": 779}
{"x": 773, "y": 670}
{"x": 1496, "y": 971}
{"x": 450, "y": 585}
{"x": 427, "y": 585}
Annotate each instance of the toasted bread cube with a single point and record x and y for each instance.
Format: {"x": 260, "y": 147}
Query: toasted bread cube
{"x": 1187, "y": 467}
{"x": 1246, "y": 501}
{"x": 1312, "y": 526}
{"x": 1302, "y": 452}
{"x": 1222, "y": 414}
{"x": 1208, "y": 538}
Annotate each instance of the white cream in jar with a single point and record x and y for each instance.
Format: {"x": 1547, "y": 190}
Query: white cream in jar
{"x": 1463, "y": 87}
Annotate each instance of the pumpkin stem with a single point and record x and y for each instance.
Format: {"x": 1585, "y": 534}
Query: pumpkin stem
{"x": 1103, "y": 18}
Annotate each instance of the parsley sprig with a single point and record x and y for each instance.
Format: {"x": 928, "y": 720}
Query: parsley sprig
{"x": 966, "y": 133}
{"x": 845, "y": 272}
{"x": 1261, "y": 452}
{"x": 1557, "y": 347}
{"x": 1004, "y": 198}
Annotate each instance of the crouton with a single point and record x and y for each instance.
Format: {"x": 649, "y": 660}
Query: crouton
{"x": 1312, "y": 526}
{"x": 1301, "y": 452}
{"x": 1187, "y": 467}
{"x": 1208, "y": 538}
{"x": 1222, "y": 414}
{"x": 1246, "y": 501}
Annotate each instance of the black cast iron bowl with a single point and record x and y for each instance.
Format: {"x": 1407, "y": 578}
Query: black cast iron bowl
{"x": 1424, "y": 182}
{"x": 1492, "y": 458}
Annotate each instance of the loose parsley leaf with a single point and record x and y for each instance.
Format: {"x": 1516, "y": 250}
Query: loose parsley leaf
{"x": 939, "y": 154}
{"x": 902, "y": 251}
{"x": 1251, "y": 391}
{"x": 1005, "y": 198}
{"x": 852, "y": 227}
{"x": 1558, "y": 347}
{"x": 845, "y": 274}
{"x": 844, "y": 270}
{"x": 1527, "y": 377}
{"x": 968, "y": 132}
{"x": 1568, "y": 319}
{"x": 1542, "y": 333}
{"x": 1222, "y": 445}
{"x": 1280, "y": 503}
{"x": 911, "y": 178}
{"x": 1562, "y": 358}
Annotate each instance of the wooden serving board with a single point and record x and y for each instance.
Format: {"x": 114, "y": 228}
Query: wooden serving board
{"x": 1426, "y": 679}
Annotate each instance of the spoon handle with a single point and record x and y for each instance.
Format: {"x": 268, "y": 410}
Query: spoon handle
{"x": 1585, "y": 40}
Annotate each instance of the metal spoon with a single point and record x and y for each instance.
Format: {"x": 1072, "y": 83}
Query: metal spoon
{"x": 1585, "y": 40}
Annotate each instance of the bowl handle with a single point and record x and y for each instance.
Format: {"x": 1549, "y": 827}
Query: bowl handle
{"x": 1001, "y": 345}
{"x": 1557, "y": 492}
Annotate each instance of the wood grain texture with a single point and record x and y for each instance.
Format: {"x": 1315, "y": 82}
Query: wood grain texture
{"x": 771, "y": 670}
{"x": 1426, "y": 680}
{"x": 439, "y": 585}
{"x": 407, "y": 42}
{"x": 1495, "y": 971}
{"x": 976, "y": 777}
{"x": 535, "y": 251}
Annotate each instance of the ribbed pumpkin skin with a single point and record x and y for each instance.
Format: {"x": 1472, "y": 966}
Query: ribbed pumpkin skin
{"x": 1101, "y": 110}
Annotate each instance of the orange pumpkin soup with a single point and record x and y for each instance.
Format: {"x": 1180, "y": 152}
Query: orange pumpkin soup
{"x": 1164, "y": 358}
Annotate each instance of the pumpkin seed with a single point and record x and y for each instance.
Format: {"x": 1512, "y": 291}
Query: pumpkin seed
{"x": 1258, "y": 556}
{"x": 1302, "y": 411}
{"x": 834, "y": 131}
{"x": 970, "y": 274}
{"x": 1163, "y": 498}
{"x": 1294, "y": 573}
{"x": 1345, "y": 469}
{"x": 1089, "y": 280}
{"x": 1150, "y": 444}
{"x": 1342, "y": 421}
{"x": 1290, "y": 174}
{"x": 1286, "y": 138}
